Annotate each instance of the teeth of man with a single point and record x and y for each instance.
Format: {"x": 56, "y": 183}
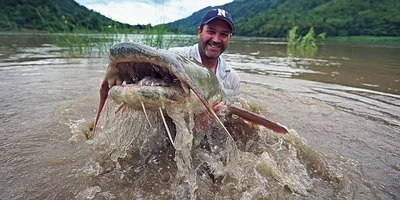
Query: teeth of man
{"x": 214, "y": 46}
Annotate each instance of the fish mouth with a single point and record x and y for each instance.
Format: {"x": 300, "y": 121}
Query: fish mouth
{"x": 148, "y": 83}
{"x": 146, "y": 78}
{"x": 145, "y": 73}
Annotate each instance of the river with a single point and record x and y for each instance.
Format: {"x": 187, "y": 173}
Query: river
{"x": 343, "y": 102}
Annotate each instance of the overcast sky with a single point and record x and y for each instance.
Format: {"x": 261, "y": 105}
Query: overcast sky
{"x": 148, "y": 11}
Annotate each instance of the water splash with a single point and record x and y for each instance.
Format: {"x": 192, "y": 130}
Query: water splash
{"x": 204, "y": 164}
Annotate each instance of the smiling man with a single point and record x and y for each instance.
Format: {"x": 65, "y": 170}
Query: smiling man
{"x": 214, "y": 34}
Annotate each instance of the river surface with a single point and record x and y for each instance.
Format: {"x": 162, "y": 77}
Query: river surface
{"x": 343, "y": 102}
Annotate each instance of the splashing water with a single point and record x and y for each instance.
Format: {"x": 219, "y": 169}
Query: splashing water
{"x": 139, "y": 161}
{"x": 129, "y": 128}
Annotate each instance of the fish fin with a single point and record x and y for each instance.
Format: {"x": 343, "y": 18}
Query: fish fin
{"x": 256, "y": 119}
{"x": 103, "y": 97}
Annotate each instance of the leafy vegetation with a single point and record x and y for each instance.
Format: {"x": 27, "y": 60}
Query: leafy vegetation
{"x": 71, "y": 25}
{"x": 56, "y": 16}
{"x": 274, "y": 18}
{"x": 264, "y": 18}
{"x": 304, "y": 45}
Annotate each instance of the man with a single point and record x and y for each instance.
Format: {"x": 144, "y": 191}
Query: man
{"x": 214, "y": 34}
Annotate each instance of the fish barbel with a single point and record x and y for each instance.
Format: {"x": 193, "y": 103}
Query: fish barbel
{"x": 142, "y": 77}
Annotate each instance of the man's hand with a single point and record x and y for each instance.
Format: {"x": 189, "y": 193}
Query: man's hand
{"x": 218, "y": 107}
{"x": 203, "y": 121}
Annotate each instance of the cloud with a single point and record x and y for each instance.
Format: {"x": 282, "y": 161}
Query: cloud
{"x": 148, "y": 12}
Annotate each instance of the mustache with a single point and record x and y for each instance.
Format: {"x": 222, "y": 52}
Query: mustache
{"x": 218, "y": 44}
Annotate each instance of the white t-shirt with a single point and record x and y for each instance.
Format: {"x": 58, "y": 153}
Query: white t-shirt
{"x": 227, "y": 76}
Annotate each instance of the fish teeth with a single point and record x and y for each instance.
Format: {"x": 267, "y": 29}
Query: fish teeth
{"x": 149, "y": 81}
{"x": 157, "y": 69}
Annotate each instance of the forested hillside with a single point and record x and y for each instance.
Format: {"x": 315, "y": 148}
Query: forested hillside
{"x": 264, "y": 18}
{"x": 52, "y": 15}
{"x": 274, "y": 18}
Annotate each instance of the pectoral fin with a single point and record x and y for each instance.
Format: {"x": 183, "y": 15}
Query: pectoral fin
{"x": 103, "y": 97}
{"x": 256, "y": 119}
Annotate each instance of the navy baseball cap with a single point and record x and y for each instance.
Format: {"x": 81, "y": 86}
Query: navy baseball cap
{"x": 218, "y": 13}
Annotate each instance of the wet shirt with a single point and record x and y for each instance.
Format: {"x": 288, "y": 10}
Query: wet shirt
{"x": 227, "y": 77}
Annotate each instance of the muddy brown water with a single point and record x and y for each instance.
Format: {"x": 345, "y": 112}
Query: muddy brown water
{"x": 343, "y": 102}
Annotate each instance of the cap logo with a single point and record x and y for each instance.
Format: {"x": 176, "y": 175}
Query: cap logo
{"x": 221, "y": 12}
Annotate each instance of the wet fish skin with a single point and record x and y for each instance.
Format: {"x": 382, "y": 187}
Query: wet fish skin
{"x": 153, "y": 97}
{"x": 192, "y": 76}
{"x": 188, "y": 71}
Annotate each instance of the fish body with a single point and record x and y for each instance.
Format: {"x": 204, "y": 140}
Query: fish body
{"x": 154, "y": 84}
{"x": 142, "y": 77}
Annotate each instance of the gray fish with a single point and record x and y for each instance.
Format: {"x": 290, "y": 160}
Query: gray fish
{"x": 143, "y": 77}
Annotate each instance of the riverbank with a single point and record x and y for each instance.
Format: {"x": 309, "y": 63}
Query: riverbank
{"x": 365, "y": 38}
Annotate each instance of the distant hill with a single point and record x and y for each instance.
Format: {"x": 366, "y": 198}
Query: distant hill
{"x": 274, "y": 18}
{"x": 52, "y": 15}
{"x": 263, "y": 18}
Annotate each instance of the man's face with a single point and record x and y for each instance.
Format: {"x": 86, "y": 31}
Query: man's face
{"x": 213, "y": 38}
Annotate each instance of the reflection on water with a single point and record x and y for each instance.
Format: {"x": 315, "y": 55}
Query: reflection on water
{"x": 344, "y": 102}
{"x": 362, "y": 65}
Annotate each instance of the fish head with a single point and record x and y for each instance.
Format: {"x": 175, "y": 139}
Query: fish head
{"x": 140, "y": 76}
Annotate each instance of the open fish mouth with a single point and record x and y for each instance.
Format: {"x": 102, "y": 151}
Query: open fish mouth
{"x": 148, "y": 83}
{"x": 145, "y": 78}
{"x": 142, "y": 77}
{"x": 157, "y": 76}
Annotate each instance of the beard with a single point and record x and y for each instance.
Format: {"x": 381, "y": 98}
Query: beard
{"x": 208, "y": 53}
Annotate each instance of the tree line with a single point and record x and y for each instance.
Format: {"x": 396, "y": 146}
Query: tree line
{"x": 274, "y": 18}
{"x": 55, "y": 16}
{"x": 261, "y": 18}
